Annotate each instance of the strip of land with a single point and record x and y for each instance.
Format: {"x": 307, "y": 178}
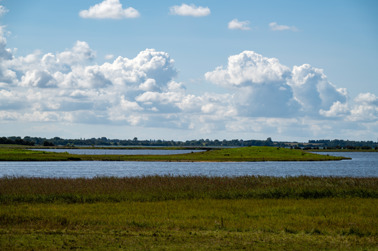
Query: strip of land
{"x": 214, "y": 155}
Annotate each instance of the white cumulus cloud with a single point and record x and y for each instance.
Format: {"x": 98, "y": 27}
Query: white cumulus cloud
{"x": 312, "y": 89}
{"x": 189, "y": 10}
{"x": 109, "y": 9}
{"x": 367, "y": 98}
{"x": 248, "y": 67}
{"x": 365, "y": 108}
{"x": 338, "y": 109}
{"x": 259, "y": 85}
{"x": 264, "y": 87}
{"x": 235, "y": 24}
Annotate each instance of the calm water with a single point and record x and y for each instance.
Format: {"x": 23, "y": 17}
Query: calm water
{"x": 119, "y": 151}
{"x": 361, "y": 165}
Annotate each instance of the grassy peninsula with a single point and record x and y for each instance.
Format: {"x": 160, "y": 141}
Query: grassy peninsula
{"x": 189, "y": 213}
{"x": 214, "y": 155}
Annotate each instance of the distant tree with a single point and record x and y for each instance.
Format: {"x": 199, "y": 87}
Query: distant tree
{"x": 269, "y": 142}
{"x": 47, "y": 143}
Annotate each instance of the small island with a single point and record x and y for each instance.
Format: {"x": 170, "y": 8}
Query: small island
{"x": 240, "y": 154}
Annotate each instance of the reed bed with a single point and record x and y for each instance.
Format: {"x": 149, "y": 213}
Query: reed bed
{"x": 162, "y": 188}
{"x": 188, "y": 213}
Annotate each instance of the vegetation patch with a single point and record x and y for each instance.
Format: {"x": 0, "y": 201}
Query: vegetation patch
{"x": 215, "y": 155}
{"x": 163, "y": 188}
{"x": 289, "y": 224}
{"x": 188, "y": 213}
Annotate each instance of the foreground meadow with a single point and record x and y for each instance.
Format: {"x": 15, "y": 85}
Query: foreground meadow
{"x": 189, "y": 213}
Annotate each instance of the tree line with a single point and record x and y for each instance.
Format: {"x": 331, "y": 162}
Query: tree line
{"x": 103, "y": 141}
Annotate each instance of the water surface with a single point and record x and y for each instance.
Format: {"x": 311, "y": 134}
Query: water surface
{"x": 361, "y": 165}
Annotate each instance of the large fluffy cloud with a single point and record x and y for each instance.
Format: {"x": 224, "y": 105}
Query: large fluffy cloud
{"x": 312, "y": 89}
{"x": 258, "y": 83}
{"x": 264, "y": 87}
{"x": 268, "y": 97}
{"x": 68, "y": 87}
{"x": 248, "y": 67}
{"x": 111, "y": 9}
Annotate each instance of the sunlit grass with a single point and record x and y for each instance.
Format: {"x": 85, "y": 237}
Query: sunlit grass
{"x": 188, "y": 213}
{"x": 229, "y": 154}
{"x": 295, "y": 224}
{"x": 159, "y": 188}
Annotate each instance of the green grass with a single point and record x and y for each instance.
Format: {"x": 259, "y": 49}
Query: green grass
{"x": 204, "y": 224}
{"x": 189, "y": 213}
{"x": 162, "y": 188}
{"x": 228, "y": 154}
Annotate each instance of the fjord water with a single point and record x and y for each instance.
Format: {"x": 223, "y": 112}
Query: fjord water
{"x": 362, "y": 164}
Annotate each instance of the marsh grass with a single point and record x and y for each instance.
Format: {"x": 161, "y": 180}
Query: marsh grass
{"x": 294, "y": 224}
{"x": 188, "y": 213}
{"x": 219, "y": 155}
{"x": 161, "y": 188}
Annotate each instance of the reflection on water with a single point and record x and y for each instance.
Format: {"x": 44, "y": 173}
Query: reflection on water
{"x": 361, "y": 165}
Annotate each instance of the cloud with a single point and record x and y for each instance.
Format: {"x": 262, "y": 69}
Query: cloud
{"x": 264, "y": 87}
{"x": 109, "y": 9}
{"x": 6, "y": 75}
{"x": 109, "y": 56}
{"x": 3, "y": 10}
{"x": 367, "y": 99}
{"x": 148, "y": 64}
{"x": 189, "y": 10}
{"x": 366, "y": 108}
{"x": 263, "y": 97}
{"x": 258, "y": 83}
{"x": 277, "y": 27}
{"x": 36, "y": 78}
{"x": 5, "y": 53}
{"x": 238, "y": 25}
{"x": 338, "y": 109}
{"x": 248, "y": 67}
{"x": 312, "y": 89}
{"x": 62, "y": 86}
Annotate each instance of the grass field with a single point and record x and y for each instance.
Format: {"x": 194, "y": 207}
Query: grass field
{"x": 228, "y": 154}
{"x": 161, "y": 188}
{"x": 189, "y": 213}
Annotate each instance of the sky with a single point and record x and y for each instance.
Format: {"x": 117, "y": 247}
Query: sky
{"x": 180, "y": 70}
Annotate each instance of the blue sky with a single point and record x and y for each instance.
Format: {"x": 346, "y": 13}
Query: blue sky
{"x": 290, "y": 70}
